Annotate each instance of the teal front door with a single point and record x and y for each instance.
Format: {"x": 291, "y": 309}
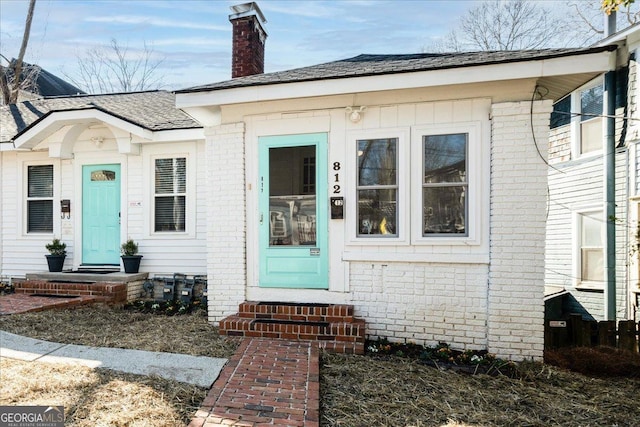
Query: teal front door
{"x": 101, "y": 214}
{"x": 293, "y": 211}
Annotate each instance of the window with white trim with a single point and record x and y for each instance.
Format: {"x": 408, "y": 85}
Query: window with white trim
{"x": 170, "y": 194}
{"x": 444, "y": 184}
{"x": 377, "y": 187}
{"x": 424, "y": 192}
{"x": 591, "y": 133}
{"x": 583, "y": 109}
{"x": 590, "y": 248}
{"x": 40, "y": 199}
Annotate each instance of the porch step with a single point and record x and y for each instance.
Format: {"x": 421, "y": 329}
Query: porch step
{"x": 331, "y": 325}
{"x": 111, "y": 293}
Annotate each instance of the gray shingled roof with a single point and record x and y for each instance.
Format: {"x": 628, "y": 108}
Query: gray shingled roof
{"x": 46, "y": 83}
{"x": 154, "y": 111}
{"x": 370, "y": 65}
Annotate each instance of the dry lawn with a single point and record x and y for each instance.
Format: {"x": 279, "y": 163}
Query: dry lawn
{"x": 355, "y": 390}
{"x": 361, "y": 391}
{"x": 98, "y": 397}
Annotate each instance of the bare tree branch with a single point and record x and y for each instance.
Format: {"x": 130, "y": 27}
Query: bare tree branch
{"x": 11, "y": 78}
{"x": 529, "y": 24}
{"x": 117, "y": 68}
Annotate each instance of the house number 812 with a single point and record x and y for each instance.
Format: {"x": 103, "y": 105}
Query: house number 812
{"x": 336, "y": 176}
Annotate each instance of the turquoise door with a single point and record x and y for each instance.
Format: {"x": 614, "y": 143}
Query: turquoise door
{"x": 101, "y": 214}
{"x": 293, "y": 211}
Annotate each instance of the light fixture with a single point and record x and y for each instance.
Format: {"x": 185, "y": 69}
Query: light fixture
{"x": 97, "y": 140}
{"x": 355, "y": 113}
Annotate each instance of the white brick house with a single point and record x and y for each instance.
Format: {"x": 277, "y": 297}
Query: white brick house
{"x": 439, "y": 235}
{"x": 412, "y": 187}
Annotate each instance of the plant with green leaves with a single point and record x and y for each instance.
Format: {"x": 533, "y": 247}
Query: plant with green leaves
{"x": 56, "y": 247}
{"x": 129, "y": 248}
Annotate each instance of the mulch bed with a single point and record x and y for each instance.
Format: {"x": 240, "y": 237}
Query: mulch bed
{"x": 399, "y": 385}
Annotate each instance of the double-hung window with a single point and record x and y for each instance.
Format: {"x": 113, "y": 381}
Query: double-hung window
{"x": 170, "y": 194}
{"x": 444, "y": 184}
{"x": 583, "y": 109}
{"x": 40, "y": 199}
{"x": 377, "y": 187}
{"x": 590, "y": 248}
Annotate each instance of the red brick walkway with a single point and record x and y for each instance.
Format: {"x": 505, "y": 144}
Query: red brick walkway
{"x": 266, "y": 382}
{"x": 22, "y": 303}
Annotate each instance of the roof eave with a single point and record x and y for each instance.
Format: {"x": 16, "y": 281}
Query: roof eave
{"x": 53, "y": 121}
{"x": 597, "y": 61}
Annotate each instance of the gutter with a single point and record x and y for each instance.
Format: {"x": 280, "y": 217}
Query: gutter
{"x": 609, "y": 184}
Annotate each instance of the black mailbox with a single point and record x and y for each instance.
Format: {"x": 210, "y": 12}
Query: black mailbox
{"x": 337, "y": 207}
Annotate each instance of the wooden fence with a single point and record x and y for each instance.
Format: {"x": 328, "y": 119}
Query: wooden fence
{"x": 576, "y": 332}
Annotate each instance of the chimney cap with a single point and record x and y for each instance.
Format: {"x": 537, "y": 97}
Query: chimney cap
{"x": 247, "y": 9}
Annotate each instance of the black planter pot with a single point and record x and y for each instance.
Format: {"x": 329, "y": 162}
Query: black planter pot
{"x": 55, "y": 262}
{"x": 131, "y": 263}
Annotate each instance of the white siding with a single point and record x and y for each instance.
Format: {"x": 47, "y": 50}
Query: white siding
{"x": 163, "y": 254}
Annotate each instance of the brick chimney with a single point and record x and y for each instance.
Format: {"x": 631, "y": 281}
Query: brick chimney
{"x": 249, "y": 37}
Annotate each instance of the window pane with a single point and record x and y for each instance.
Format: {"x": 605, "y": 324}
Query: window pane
{"x": 170, "y": 213}
{"x": 292, "y": 220}
{"x": 40, "y": 216}
{"x": 591, "y": 135}
{"x": 593, "y": 264}
{"x": 592, "y": 227}
{"x": 377, "y": 161}
{"x": 444, "y": 209}
{"x": 40, "y": 181}
{"x": 592, "y": 250}
{"x": 591, "y": 102}
{"x": 377, "y": 212}
{"x": 445, "y": 158}
{"x": 171, "y": 176}
{"x": 561, "y": 114}
{"x": 103, "y": 175}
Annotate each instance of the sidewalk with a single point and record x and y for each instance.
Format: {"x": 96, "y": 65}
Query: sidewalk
{"x": 199, "y": 370}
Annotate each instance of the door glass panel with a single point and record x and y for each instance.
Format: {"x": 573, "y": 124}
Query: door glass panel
{"x": 292, "y": 196}
{"x": 103, "y": 175}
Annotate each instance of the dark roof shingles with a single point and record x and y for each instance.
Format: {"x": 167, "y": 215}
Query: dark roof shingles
{"x": 154, "y": 110}
{"x": 368, "y": 65}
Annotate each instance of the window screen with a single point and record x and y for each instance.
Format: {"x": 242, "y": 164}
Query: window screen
{"x": 170, "y": 194}
{"x": 40, "y": 199}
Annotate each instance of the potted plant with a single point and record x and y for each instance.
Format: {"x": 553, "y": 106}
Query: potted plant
{"x": 130, "y": 257}
{"x": 57, "y": 254}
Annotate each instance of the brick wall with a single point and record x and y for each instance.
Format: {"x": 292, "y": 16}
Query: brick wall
{"x": 422, "y": 302}
{"x": 518, "y": 218}
{"x": 226, "y": 222}
{"x": 248, "y": 47}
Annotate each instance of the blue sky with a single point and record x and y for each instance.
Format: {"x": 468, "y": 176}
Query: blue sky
{"x": 194, "y": 37}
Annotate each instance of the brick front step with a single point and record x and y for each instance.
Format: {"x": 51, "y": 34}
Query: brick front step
{"x": 297, "y": 312}
{"x": 111, "y": 293}
{"x": 332, "y": 326}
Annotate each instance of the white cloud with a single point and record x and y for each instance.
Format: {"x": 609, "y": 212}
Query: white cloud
{"x": 156, "y": 22}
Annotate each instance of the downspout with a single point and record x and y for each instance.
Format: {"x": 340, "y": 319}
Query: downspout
{"x": 610, "y": 172}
